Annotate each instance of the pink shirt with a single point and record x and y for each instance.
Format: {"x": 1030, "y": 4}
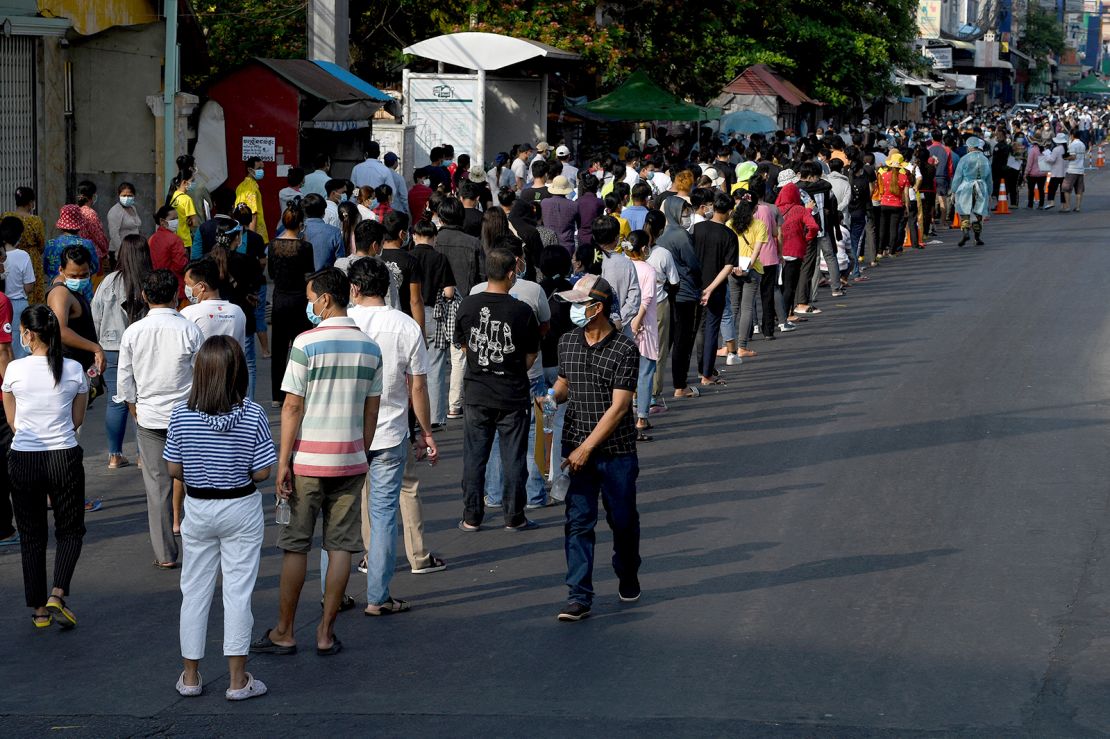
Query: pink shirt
{"x": 648, "y": 338}
{"x": 769, "y": 253}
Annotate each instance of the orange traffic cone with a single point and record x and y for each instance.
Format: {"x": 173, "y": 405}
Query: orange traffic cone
{"x": 909, "y": 241}
{"x": 1100, "y": 160}
{"x": 955, "y": 219}
{"x": 1003, "y": 207}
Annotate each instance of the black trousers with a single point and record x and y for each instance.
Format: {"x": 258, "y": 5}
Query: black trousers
{"x": 805, "y": 279}
{"x": 33, "y": 475}
{"x": 767, "y": 287}
{"x": 709, "y": 330}
{"x": 1053, "y": 186}
{"x": 791, "y": 271}
{"x": 1036, "y": 184}
{"x": 288, "y": 321}
{"x": 890, "y": 239}
{"x": 480, "y": 423}
{"x": 7, "y": 522}
{"x": 684, "y": 329}
{"x": 928, "y": 206}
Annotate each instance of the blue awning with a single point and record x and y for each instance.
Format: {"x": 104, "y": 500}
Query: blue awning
{"x": 347, "y": 78}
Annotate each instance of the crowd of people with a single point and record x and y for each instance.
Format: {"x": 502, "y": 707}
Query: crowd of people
{"x": 553, "y": 304}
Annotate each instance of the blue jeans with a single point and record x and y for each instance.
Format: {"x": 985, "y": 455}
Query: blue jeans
{"x": 643, "y": 385}
{"x": 18, "y": 306}
{"x": 550, "y": 375}
{"x": 534, "y": 487}
{"x": 615, "y": 479}
{"x": 115, "y": 415}
{"x": 855, "y": 236}
{"x": 252, "y": 371}
{"x": 728, "y": 326}
{"x": 438, "y": 377}
{"x": 381, "y": 496}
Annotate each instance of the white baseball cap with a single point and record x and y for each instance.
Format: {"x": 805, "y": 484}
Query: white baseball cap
{"x": 562, "y": 151}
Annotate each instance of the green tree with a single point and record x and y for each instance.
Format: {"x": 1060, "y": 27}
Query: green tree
{"x": 238, "y": 30}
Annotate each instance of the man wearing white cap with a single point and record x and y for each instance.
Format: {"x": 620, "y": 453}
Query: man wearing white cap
{"x": 562, "y": 153}
{"x": 542, "y": 150}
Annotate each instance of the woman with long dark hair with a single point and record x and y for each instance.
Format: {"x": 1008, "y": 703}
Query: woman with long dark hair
{"x": 45, "y": 396}
{"x": 116, "y": 305}
{"x": 744, "y": 281}
{"x": 289, "y": 264}
{"x": 240, "y": 276}
{"x": 645, "y": 327}
{"x": 218, "y": 443}
{"x": 349, "y": 217}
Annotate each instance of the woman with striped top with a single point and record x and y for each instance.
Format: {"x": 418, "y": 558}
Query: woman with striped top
{"x": 218, "y": 443}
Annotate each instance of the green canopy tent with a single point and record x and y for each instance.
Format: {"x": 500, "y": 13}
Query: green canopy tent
{"x": 640, "y": 99}
{"x": 1090, "y": 85}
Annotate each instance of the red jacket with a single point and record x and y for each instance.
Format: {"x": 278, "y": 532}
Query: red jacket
{"x": 798, "y": 225}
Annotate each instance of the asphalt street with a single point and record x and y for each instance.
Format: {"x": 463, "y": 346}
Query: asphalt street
{"x": 892, "y": 522}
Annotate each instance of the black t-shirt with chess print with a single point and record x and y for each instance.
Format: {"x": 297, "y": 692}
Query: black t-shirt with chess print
{"x": 593, "y": 373}
{"x": 497, "y": 331}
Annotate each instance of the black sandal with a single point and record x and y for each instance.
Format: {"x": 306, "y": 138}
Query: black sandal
{"x": 641, "y": 436}
{"x": 346, "y": 604}
{"x": 265, "y": 645}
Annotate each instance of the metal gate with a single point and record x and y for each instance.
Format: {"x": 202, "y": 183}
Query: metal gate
{"x": 17, "y": 115}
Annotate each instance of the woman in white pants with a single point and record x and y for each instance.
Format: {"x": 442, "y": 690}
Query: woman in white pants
{"x": 218, "y": 443}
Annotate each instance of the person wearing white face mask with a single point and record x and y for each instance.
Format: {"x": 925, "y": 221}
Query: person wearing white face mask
{"x": 598, "y": 369}
{"x": 123, "y": 218}
{"x": 212, "y": 314}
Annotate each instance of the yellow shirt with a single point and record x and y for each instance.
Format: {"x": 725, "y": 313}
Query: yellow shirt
{"x": 626, "y": 230}
{"x": 182, "y": 202}
{"x": 248, "y": 193}
{"x": 749, "y": 243}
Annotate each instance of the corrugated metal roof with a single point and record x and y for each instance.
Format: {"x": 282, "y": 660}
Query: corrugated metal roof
{"x": 314, "y": 79}
{"x": 759, "y": 79}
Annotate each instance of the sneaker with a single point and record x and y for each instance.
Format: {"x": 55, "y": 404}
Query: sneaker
{"x": 733, "y": 360}
{"x": 755, "y": 329}
{"x": 629, "y": 592}
{"x": 455, "y": 413}
{"x": 1049, "y": 206}
{"x": 837, "y": 293}
{"x": 434, "y": 565}
{"x": 437, "y": 427}
{"x": 574, "y": 612}
{"x": 362, "y": 566}
{"x": 534, "y": 506}
{"x": 528, "y": 525}
{"x": 787, "y": 327}
{"x": 490, "y": 504}
{"x": 9, "y": 541}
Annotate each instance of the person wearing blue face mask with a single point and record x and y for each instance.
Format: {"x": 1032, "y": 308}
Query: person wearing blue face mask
{"x": 598, "y": 370}
{"x": 123, "y": 218}
{"x": 73, "y": 311}
{"x": 248, "y": 192}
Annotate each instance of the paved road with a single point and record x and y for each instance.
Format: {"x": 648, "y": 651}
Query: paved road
{"x": 891, "y": 523}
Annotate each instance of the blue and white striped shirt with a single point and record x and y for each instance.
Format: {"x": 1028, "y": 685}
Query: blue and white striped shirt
{"x": 219, "y": 453}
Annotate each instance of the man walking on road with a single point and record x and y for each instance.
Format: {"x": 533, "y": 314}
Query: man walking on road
{"x": 332, "y": 387}
{"x": 598, "y": 369}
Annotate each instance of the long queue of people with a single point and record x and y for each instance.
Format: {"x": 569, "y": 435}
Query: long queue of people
{"x": 579, "y": 298}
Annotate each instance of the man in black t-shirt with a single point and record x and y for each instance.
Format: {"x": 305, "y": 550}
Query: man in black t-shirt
{"x": 716, "y": 246}
{"x": 436, "y": 278}
{"x": 402, "y": 264}
{"x": 501, "y": 339}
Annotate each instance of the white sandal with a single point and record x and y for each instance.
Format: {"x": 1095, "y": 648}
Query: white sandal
{"x": 252, "y": 689}
{"x": 190, "y": 691}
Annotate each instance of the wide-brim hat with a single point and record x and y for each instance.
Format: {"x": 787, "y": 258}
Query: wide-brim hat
{"x": 560, "y": 186}
{"x": 787, "y": 177}
{"x": 476, "y": 175}
{"x": 1060, "y": 138}
{"x": 70, "y": 219}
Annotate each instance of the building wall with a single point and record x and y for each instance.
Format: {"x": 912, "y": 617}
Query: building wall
{"x": 115, "y": 132}
{"x": 52, "y": 137}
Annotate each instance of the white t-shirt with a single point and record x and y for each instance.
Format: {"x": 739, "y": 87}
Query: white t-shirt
{"x": 403, "y": 355}
{"x": 520, "y": 169}
{"x": 43, "y": 410}
{"x": 1078, "y": 151}
{"x": 17, "y": 273}
{"x": 218, "y": 318}
{"x": 666, "y": 272}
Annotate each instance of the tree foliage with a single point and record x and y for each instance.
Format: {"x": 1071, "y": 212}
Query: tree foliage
{"x": 239, "y": 30}
{"x": 837, "y": 50}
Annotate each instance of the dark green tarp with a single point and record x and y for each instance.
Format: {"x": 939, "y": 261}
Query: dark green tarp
{"x": 640, "y": 99}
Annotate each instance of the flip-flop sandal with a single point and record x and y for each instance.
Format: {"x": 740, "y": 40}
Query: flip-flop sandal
{"x": 391, "y": 606}
{"x": 335, "y": 648}
{"x": 265, "y": 645}
{"x": 165, "y": 565}
{"x": 641, "y": 436}
{"x": 646, "y": 427}
{"x": 62, "y": 615}
{"x": 42, "y": 624}
{"x": 714, "y": 381}
{"x": 693, "y": 393}
{"x": 464, "y": 526}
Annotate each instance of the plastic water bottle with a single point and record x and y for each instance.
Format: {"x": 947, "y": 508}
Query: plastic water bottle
{"x": 550, "y": 408}
{"x": 283, "y": 513}
{"x": 560, "y": 487}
